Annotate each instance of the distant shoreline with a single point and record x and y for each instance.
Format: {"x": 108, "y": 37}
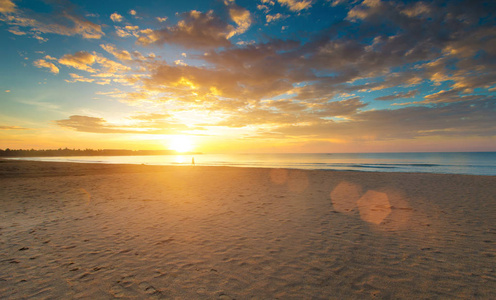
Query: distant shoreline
{"x": 86, "y": 152}
{"x": 447, "y": 163}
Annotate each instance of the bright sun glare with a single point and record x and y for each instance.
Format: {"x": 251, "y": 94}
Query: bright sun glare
{"x": 181, "y": 143}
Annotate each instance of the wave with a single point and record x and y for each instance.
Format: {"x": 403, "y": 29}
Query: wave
{"x": 447, "y": 163}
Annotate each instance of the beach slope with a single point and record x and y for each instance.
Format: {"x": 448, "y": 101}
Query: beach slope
{"x": 99, "y": 231}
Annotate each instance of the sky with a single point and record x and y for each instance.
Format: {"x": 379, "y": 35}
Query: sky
{"x": 223, "y": 76}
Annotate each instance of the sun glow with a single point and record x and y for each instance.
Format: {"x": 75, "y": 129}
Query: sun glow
{"x": 181, "y": 143}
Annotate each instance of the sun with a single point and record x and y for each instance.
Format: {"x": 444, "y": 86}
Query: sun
{"x": 181, "y": 143}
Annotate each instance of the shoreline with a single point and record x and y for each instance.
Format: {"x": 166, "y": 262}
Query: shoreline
{"x": 138, "y": 231}
{"x": 186, "y": 165}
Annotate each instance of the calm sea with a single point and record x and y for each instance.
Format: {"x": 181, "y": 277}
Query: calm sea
{"x": 476, "y": 163}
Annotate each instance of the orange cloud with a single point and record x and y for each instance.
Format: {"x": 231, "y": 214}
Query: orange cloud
{"x": 78, "y": 78}
{"x": 3, "y": 127}
{"x": 96, "y": 64}
{"x": 80, "y": 60}
{"x": 115, "y": 17}
{"x": 296, "y": 5}
{"x": 195, "y": 30}
{"x": 149, "y": 124}
{"x": 120, "y": 54}
{"x": 241, "y": 17}
{"x": 41, "y": 63}
{"x": 62, "y": 21}
{"x": 7, "y": 6}
{"x": 273, "y": 18}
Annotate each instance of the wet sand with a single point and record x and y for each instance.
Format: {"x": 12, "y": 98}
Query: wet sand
{"x": 98, "y": 231}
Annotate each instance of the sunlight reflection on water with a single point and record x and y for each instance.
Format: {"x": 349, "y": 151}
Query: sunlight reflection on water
{"x": 476, "y": 163}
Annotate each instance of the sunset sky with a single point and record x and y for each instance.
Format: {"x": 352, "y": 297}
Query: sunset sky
{"x": 249, "y": 76}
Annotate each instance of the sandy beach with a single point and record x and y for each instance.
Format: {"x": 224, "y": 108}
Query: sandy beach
{"x": 96, "y": 231}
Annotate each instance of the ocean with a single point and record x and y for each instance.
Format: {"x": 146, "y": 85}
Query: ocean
{"x": 473, "y": 163}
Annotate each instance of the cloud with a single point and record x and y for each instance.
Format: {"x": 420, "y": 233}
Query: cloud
{"x": 276, "y": 114}
{"x": 109, "y": 67}
{"x": 7, "y": 6}
{"x": 16, "y": 30}
{"x": 338, "y": 2}
{"x": 119, "y": 54}
{"x": 80, "y": 60}
{"x": 409, "y": 94}
{"x": 368, "y": 8}
{"x": 296, "y": 5}
{"x": 341, "y": 108}
{"x": 131, "y": 28}
{"x": 127, "y": 31}
{"x": 147, "y": 124}
{"x": 41, "y": 63}
{"x": 330, "y": 62}
{"x": 417, "y": 9}
{"x": 115, "y": 17}
{"x": 90, "y": 124}
{"x": 241, "y": 17}
{"x": 454, "y": 120}
{"x": 195, "y": 30}
{"x": 265, "y": 8}
{"x": 79, "y": 78}
{"x": 3, "y": 127}
{"x": 191, "y": 83}
{"x": 63, "y": 20}
{"x": 152, "y": 121}
{"x": 121, "y": 32}
{"x": 272, "y": 18}
{"x": 449, "y": 96}
{"x": 150, "y": 116}
{"x": 320, "y": 87}
{"x": 100, "y": 67}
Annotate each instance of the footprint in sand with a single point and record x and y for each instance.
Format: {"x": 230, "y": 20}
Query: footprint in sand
{"x": 117, "y": 291}
{"x": 149, "y": 289}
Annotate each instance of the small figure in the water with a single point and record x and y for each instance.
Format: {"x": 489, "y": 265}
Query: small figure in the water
{"x": 193, "y": 161}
